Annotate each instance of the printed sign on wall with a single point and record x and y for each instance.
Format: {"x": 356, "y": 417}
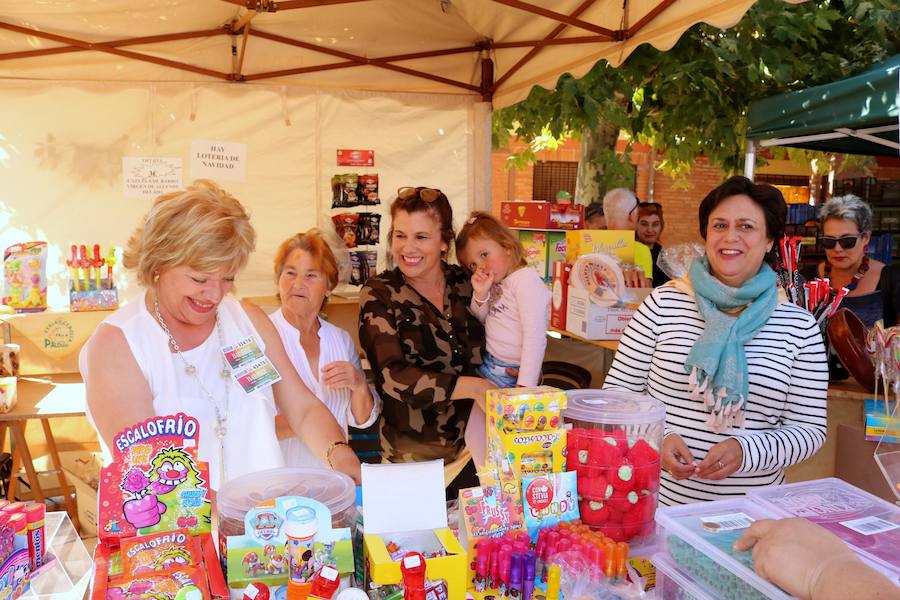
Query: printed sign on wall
{"x": 218, "y": 160}
{"x": 150, "y": 176}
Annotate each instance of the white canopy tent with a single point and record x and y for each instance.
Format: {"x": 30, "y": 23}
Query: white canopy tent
{"x": 85, "y": 84}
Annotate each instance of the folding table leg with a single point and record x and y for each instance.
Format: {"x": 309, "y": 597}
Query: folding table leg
{"x": 63, "y": 482}
{"x": 22, "y": 449}
{"x": 13, "y": 478}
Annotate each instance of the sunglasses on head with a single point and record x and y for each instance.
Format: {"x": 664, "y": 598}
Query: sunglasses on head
{"x": 426, "y": 194}
{"x": 846, "y": 241}
{"x": 637, "y": 203}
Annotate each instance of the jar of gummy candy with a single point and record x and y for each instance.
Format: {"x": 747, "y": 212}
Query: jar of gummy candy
{"x": 614, "y": 445}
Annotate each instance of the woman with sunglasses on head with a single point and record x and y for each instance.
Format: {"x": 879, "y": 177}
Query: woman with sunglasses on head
{"x": 423, "y": 344}
{"x": 845, "y": 225}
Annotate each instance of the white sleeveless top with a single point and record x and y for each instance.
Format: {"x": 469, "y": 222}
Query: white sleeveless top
{"x": 334, "y": 344}
{"x": 250, "y": 442}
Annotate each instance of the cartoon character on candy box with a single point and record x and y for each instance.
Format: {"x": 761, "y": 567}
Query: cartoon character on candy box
{"x": 170, "y": 468}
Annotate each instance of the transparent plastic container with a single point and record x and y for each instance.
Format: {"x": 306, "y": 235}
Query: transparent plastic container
{"x": 870, "y": 525}
{"x": 700, "y": 538}
{"x": 613, "y": 442}
{"x": 674, "y": 584}
{"x": 335, "y": 490}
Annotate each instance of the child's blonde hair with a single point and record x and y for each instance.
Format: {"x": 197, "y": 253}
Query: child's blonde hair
{"x": 487, "y": 226}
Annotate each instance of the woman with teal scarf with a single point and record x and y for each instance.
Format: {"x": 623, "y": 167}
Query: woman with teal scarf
{"x": 741, "y": 370}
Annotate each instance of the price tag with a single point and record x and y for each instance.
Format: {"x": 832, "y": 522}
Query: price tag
{"x": 729, "y": 522}
{"x": 870, "y": 525}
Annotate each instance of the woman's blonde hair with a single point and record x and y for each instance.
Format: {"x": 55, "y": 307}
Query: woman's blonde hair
{"x": 315, "y": 245}
{"x": 487, "y": 226}
{"x": 202, "y": 227}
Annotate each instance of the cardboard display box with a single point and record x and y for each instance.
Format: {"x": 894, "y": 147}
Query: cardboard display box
{"x": 542, "y": 249}
{"x": 592, "y": 321}
{"x": 542, "y": 215}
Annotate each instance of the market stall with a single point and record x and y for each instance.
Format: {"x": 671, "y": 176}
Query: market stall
{"x": 93, "y": 137}
{"x": 856, "y": 115}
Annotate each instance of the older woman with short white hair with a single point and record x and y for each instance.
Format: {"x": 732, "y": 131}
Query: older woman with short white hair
{"x": 324, "y": 355}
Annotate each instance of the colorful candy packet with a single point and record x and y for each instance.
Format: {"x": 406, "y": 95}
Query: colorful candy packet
{"x": 159, "y": 586}
{"x": 160, "y": 552}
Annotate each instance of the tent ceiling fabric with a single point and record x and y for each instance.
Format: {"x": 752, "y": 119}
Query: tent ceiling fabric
{"x": 855, "y": 115}
{"x": 433, "y": 46}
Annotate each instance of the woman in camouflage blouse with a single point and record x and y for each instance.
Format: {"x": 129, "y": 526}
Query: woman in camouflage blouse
{"x": 421, "y": 341}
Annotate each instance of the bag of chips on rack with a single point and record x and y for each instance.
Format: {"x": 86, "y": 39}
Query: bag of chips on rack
{"x": 346, "y": 225}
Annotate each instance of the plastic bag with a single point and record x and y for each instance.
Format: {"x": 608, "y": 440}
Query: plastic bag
{"x": 675, "y": 261}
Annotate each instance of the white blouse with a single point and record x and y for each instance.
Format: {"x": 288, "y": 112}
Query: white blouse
{"x": 250, "y": 416}
{"x": 334, "y": 344}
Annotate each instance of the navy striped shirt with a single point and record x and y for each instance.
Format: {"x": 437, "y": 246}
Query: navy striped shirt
{"x": 785, "y": 413}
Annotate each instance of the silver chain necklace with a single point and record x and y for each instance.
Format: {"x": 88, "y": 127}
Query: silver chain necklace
{"x": 221, "y": 428}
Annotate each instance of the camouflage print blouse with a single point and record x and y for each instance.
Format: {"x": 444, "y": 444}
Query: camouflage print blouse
{"x": 417, "y": 353}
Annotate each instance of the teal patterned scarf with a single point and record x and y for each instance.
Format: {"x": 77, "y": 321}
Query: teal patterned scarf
{"x": 716, "y": 363}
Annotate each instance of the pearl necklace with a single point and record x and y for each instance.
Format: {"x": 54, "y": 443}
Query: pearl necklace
{"x": 221, "y": 428}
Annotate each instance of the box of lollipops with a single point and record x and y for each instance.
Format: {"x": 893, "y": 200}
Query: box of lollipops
{"x": 153, "y": 518}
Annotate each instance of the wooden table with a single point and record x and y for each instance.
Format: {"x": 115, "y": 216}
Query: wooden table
{"x": 44, "y": 398}
{"x": 607, "y": 344}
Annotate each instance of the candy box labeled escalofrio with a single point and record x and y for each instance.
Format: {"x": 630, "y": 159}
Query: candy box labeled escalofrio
{"x": 155, "y": 482}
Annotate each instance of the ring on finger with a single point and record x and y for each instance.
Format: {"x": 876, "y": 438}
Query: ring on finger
{"x": 721, "y": 464}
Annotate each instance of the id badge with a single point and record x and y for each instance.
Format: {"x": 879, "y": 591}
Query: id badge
{"x": 249, "y": 365}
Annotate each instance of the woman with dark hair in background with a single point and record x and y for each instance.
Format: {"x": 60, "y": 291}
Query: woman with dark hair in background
{"x": 648, "y": 228}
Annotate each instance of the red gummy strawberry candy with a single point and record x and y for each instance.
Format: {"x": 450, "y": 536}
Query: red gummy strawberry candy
{"x": 597, "y": 488}
{"x": 592, "y": 512}
{"x": 646, "y": 477}
{"x": 645, "y": 508}
{"x": 615, "y": 516}
{"x": 621, "y": 475}
{"x": 624, "y": 503}
{"x": 632, "y": 525}
{"x": 602, "y": 452}
{"x": 613, "y": 531}
{"x": 642, "y": 454}
{"x": 620, "y": 439}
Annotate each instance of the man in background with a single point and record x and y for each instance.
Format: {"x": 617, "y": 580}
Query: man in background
{"x": 620, "y": 208}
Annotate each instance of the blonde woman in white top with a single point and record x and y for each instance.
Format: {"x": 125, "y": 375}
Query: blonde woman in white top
{"x": 323, "y": 354}
{"x": 162, "y": 353}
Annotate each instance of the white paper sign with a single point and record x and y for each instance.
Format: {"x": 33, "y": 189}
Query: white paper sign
{"x": 150, "y": 176}
{"x": 218, "y": 160}
{"x": 403, "y": 496}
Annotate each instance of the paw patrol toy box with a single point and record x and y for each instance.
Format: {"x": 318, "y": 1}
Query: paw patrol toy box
{"x": 284, "y": 534}
{"x": 154, "y": 516}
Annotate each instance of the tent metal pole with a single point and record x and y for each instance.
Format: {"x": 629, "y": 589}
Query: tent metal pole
{"x": 750, "y": 160}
